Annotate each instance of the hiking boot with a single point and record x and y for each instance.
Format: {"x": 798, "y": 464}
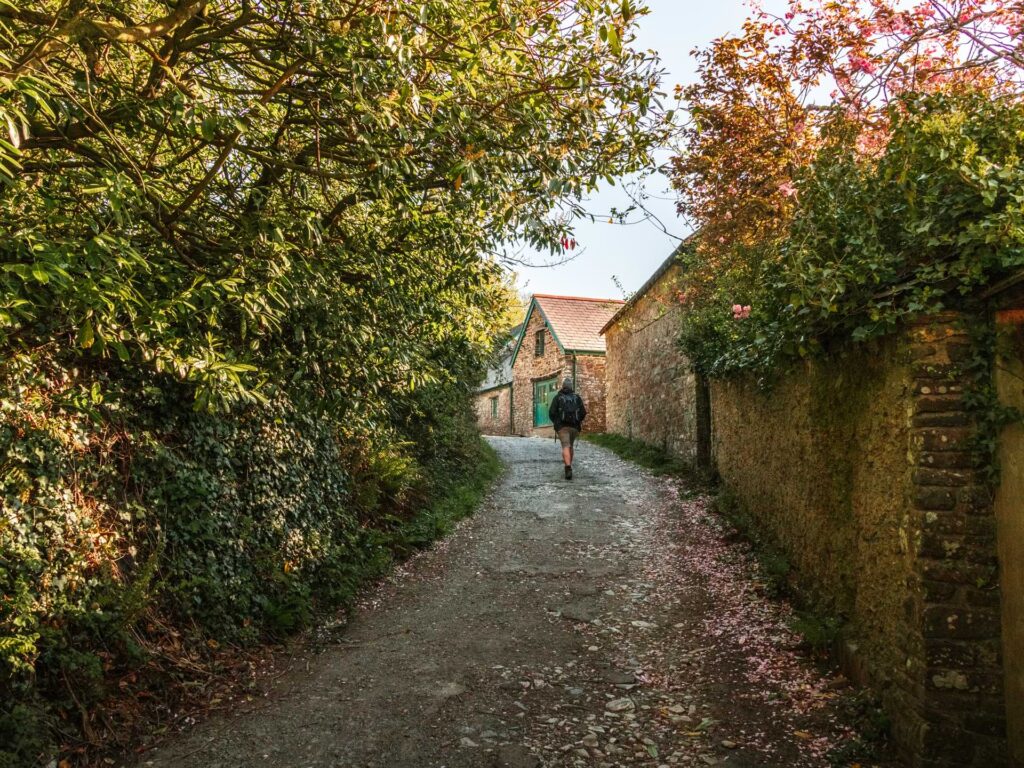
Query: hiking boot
{"x": 568, "y": 472}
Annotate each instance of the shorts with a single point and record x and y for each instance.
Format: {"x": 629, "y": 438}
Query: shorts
{"x": 568, "y": 436}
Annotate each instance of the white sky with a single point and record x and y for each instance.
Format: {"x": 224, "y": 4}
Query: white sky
{"x": 631, "y": 253}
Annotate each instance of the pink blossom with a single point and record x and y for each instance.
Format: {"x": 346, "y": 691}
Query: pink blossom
{"x": 740, "y": 311}
{"x": 861, "y": 64}
{"x": 788, "y": 189}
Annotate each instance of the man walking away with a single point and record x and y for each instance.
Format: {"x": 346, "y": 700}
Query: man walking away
{"x": 567, "y": 413}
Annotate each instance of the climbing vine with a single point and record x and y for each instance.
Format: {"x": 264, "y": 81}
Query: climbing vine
{"x": 990, "y": 416}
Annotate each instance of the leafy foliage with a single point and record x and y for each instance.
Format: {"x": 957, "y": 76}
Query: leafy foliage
{"x": 133, "y": 539}
{"x": 210, "y": 193}
{"x": 839, "y": 216}
{"x": 919, "y": 229}
{"x": 250, "y": 267}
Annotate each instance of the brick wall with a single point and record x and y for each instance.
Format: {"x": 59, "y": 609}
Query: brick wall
{"x": 529, "y": 368}
{"x": 651, "y": 391}
{"x": 957, "y": 603}
{"x": 487, "y": 421}
{"x": 857, "y": 467}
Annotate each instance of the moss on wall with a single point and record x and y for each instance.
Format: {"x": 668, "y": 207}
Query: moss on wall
{"x": 860, "y": 467}
{"x": 820, "y": 462}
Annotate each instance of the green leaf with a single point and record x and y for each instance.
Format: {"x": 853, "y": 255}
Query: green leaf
{"x": 86, "y": 336}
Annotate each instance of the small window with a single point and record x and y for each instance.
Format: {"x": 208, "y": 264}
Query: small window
{"x": 494, "y": 407}
{"x": 539, "y": 349}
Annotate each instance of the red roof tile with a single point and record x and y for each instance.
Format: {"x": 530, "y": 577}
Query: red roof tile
{"x": 577, "y": 321}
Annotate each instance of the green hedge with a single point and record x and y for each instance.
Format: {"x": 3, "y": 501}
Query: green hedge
{"x": 136, "y": 523}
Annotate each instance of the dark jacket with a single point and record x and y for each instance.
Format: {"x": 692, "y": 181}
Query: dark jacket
{"x": 564, "y": 407}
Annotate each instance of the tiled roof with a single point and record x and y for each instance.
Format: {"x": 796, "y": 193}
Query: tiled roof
{"x": 577, "y": 321}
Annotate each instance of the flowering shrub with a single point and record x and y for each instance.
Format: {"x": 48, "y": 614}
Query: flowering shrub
{"x": 937, "y": 215}
{"x": 898, "y": 195}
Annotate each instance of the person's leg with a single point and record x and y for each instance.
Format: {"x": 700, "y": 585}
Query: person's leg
{"x": 565, "y": 438}
{"x": 572, "y": 446}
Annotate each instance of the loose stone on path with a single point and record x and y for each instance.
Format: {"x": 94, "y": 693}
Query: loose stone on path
{"x": 607, "y": 623}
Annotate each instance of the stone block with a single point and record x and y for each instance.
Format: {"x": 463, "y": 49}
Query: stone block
{"x": 948, "y": 460}
{"x": 981, "y": 526}
{"x": 980, "y": 552}
{"x": 958, "y": 623}
{"x": 941, "y": 546}
{"x": 934, "y": 498}
{"x": 964, "y": 680}
{"x": 937, "y": 386}
{"x": 938, "y": 403}
{"x": 950, "y": 654}
{"x": 991, "y": 751}
{"x": 941, "y": 439}
{"x": 933, "y": 370}
{"x": 954, "y": 571}
{"x": 938, "y": 591}
{"x": 975, "y": 500}
{"x": 945, "y": 741}
{"x": 938, "y": 521}
{"x": 942, "y": 420}
{"x": 942, "y": 477}
{"x": 959, "y": 351}
{"x": 948, "y": 680}
{"x": 981, "y": 598}
{"x": 991, "y": 723}
{"x": 922, "y": 351}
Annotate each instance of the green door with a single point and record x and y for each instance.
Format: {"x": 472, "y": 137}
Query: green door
{"x": 543, "y": 393}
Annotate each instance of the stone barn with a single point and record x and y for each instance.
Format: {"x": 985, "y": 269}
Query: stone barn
{"x": 560, "y": 337}
{"x": 652, "y": 394}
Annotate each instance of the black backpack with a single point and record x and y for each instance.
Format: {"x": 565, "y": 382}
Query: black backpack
{"x": 570, "y": 408}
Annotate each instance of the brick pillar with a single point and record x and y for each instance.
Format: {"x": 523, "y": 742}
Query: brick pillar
{"x": 955, "y": 603}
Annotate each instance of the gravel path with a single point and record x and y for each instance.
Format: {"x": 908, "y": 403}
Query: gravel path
{"x": 602, "y": 622}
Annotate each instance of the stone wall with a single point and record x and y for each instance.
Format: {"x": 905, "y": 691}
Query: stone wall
{"x": 857, "y": 466}
{"x": 651, "y": 391}
{"x": 591, "y": 385}
{"x": 487, "y": 421}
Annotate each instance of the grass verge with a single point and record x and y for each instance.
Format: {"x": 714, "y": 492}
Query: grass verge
{"x": 659, "y": 461}
{"x": 458, "y": 500}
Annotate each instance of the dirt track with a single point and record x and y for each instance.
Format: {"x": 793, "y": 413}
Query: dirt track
{"x": 605, "y": 621}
